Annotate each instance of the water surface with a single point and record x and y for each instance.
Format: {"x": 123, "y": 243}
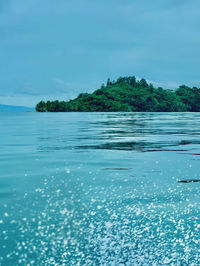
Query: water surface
{"x": 99, "y": 188}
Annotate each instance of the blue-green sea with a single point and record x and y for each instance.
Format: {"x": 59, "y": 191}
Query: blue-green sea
{"x": 99, "y": 189}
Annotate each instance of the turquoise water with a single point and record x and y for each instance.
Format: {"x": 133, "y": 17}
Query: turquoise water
{"x": 99, "y": 189}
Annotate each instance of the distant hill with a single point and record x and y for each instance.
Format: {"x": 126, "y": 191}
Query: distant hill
{"x": 13, "y": 108}
{"x": 127, "y": 94}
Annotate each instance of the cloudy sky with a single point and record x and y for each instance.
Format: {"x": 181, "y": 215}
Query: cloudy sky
{"x": 54, "y": 49}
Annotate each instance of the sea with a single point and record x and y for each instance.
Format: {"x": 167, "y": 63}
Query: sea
{"x": 99, "y": 189}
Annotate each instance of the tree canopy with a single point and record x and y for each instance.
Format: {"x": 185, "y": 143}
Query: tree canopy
{"x": 128, "y": 95}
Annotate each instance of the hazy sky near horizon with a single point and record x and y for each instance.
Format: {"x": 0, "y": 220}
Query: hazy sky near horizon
{"x": 56, "y": 49}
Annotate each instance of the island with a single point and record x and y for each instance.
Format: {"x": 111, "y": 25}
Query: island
{"x": 127, "y": 94}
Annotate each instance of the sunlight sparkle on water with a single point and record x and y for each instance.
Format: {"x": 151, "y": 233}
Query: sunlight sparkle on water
{"x": 100, "y": 189}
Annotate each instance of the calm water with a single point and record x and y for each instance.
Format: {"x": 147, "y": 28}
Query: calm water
{"x": 99, "y": 189}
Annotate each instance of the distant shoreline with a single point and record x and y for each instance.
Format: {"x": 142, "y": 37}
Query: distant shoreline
{"x": 14, "y": 108}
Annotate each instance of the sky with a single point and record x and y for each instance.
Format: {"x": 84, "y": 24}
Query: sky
{"x": 55, "y": 49}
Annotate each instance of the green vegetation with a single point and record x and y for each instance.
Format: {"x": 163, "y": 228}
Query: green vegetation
{"x": 128, "y": 95}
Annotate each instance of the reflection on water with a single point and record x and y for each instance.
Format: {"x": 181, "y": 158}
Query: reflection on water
{"x": 99, "y": 189}
{"x": 138, "y": 146}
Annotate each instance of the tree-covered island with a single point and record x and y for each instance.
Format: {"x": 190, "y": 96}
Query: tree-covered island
{"x": 129, "y": 95}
